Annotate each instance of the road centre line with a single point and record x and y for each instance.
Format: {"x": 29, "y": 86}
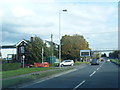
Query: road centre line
{"x": 79, "y": 84}
{"x": 98, "y": 68}
{"x": 92, "y": 73}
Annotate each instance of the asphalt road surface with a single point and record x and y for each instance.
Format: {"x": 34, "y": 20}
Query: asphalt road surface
{"x": 104, "y": 75}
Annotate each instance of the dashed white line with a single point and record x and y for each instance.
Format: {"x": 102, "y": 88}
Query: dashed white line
{"x": 92, "y": 73}
{"x": 98, "y": 68}
{"x": 79, "y": 84}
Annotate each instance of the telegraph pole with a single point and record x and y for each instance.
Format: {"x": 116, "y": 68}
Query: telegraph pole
{"x": 52, "y": 46}
{"x": 52, "y": 43}
{"x": 42, "y": 54}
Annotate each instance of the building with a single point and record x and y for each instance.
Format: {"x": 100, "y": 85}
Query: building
{"x": 7, "y": 51}
{"x": 18, "y": 50}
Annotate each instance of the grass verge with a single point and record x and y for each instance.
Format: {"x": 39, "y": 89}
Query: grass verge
{"x": 6, "y": 74}
{"x": 116, "y": 61}
{"x": 21, "y": 71}
{"x": 30, "y": 78}
{"x": 78, "y": 63}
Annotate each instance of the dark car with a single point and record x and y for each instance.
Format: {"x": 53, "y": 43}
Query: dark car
{"x": 94, "y": 62}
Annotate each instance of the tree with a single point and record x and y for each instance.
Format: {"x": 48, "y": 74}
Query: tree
{"x": 0, "y": 54}
{"x": 34, "y": 50}
{"x": 96, "y": 55}
{"x": 71, "y": 46}
{"x": 52, "y": 50}
{"x": 104, "y": 55}
{"x": 115, "y": 54}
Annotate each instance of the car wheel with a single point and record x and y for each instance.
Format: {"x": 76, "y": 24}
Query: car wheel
{"x": 71, "y": 64}
{"x": 62, "y": 65}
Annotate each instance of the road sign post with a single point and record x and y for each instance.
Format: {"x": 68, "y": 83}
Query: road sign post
{"x": 23, "y": 60}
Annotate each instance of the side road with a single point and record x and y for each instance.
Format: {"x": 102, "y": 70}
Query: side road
{"x": 40, "y": 76}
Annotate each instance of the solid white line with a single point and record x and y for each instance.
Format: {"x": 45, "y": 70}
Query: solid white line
{"x": 79, "y": 84}
{"x": 93, "y": 73}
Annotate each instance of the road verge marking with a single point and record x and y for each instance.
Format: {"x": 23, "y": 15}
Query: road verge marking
{"x": 92, "y": 73}
{"x": 79, "y": 84}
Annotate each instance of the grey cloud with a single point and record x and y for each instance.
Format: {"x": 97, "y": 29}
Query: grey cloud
{"x": 10, "y": 35}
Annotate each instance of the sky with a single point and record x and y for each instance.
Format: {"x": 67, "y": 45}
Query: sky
{"x": 96, "y": 20}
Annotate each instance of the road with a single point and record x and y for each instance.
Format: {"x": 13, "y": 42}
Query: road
{"x": 104, "y": 75}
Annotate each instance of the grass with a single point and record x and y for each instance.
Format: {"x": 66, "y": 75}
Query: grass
{"x": 78, "y": 63}
{"x": 25, "y": 79}
{"x": 6, "y": 74}
{"x": 117, "y": 61}
{"x": 16, "y": 81}
{"x": 21, "y": 71}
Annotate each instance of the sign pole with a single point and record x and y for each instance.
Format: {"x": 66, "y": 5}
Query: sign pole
{"x": 23, "y": 60}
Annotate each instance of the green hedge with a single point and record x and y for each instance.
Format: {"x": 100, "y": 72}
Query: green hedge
{"x": 10, "y": 66}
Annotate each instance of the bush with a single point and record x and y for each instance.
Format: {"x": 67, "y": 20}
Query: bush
{"x": 55, "y": 64}
{"x": 10, "y": 66}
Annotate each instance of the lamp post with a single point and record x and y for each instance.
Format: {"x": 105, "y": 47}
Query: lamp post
{"x": 60, "y": 33}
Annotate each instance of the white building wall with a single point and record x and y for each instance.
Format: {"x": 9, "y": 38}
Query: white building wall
{"x": 5, "y": 52}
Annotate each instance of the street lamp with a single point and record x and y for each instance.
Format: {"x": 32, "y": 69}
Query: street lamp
{"x": 60, "y": 32}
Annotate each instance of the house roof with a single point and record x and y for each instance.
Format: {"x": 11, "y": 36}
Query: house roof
{"x": 8, "y": 46}
{"x": 51, "y": 43}
{"x": 21, "y": 42}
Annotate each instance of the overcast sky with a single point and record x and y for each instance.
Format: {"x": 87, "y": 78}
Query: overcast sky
{"x": 96, "y": 20}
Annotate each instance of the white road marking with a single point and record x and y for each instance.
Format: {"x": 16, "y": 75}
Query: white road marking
{"x": 92, "y": 73}
{"x": 49, "y": 77}
{"x": 101, "y": 65}
{"x": 98, "y": 68}
{"x": 79, "y": 84}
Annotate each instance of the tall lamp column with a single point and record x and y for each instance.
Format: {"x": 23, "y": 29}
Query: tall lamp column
{"x": 60, "y": 33}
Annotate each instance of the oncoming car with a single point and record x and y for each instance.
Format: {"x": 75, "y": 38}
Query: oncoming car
{"x": 67, "y": 63}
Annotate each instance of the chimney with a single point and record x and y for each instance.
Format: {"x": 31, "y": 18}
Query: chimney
{"x": 31, "y": 39}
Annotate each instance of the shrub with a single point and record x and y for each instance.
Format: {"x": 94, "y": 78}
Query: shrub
{"x": 10, "y": 66}
{"x": 55, "y": 64}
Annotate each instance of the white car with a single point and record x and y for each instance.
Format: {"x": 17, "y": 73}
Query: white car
{"x": 67, "y": 63}
{"x": 108, "y": 60}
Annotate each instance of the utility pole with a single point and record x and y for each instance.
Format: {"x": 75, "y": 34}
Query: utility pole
{"x": 52, "y": 43}
{"x": 52, "y": 47}
{"x": 42, "y": 54}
